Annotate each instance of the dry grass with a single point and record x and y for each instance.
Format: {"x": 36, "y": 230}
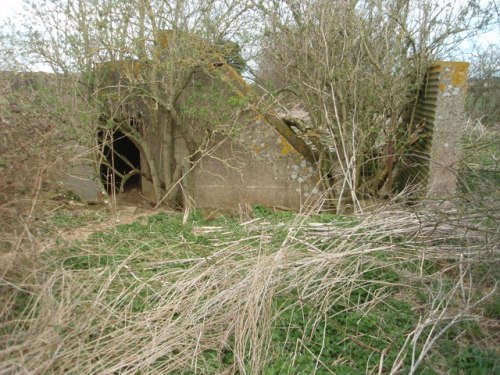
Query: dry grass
{"x": 194, "y": 310}
{"x": 181, "y": 310}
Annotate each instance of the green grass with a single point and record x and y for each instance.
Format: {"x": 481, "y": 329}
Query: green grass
{"x": 480, "y": 168}
{"x": 345, "y": 341}
{"x": 355, "y": 325}
{"x": 62, "y": 219}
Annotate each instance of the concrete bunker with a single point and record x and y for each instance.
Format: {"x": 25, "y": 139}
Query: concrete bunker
{"x": 261, "y": 158}
{"x": 120, "y": 161}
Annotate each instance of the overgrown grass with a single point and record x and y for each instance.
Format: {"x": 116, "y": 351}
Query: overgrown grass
{"x": 480, "y": 169}
{"x": 409, "y": 290}
{"x": 279, "y": 293}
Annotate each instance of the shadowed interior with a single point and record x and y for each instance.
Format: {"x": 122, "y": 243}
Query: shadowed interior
{"x": 122, "y": 156}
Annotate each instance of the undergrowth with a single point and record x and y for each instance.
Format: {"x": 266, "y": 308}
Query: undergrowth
{"x": 399, "y": 290}
{"x": 279, "y": 293}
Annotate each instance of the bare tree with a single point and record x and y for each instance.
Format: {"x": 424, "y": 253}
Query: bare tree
{"x": 356, "y": 67}
{"x": 484, "y": 89}
{"x": 135, "y": 62}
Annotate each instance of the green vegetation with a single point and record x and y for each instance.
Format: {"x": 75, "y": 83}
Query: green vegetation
{"x": 70, "y": 219}
{"x": 480, "y": 165}
{"x": 278, "y": 293}
{"x": 483, "y": 97}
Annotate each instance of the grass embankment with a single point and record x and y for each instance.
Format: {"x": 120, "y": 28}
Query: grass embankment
{"x": 279, "y": 293}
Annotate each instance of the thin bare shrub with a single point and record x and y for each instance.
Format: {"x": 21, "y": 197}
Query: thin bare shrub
{"x": 356, "y": 68}
{"x": 32, "y": 151}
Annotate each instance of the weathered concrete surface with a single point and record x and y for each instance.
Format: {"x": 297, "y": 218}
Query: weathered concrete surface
{"x": 248, "y": 161}
{"x": 252, "y": 159}
{"x": 449, "y": 124}
{"x": 258, "y": 166}
{"x": 80, "y": 176}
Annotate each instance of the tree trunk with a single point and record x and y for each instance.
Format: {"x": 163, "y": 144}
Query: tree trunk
{"x": 153, "y": 168}
{"x": 169, "y": 163}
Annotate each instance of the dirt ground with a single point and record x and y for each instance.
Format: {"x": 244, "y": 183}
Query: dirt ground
{"x": 130, "y": 206}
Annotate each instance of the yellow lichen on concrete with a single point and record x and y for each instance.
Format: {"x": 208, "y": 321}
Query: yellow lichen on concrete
{"x": 286, "y": 147}
{"x": 442, "y": 87}
{"x": 459, "y": 75}
{"x": 258, "y": 117}
{"x": 455, "y": 71}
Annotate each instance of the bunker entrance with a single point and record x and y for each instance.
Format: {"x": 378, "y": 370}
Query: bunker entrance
{"x": 120, "y": 162}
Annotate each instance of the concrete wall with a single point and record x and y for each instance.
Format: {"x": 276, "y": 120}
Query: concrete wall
{"x": 80, "y": 176}
{"x": 257, "y": 166}
{"x": 253, "y": 163}
{"x": 247, "y": 161}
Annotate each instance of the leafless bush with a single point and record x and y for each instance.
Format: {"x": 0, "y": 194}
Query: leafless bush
{"x": 356, "y": 67}
{"x": 34, "y": 125}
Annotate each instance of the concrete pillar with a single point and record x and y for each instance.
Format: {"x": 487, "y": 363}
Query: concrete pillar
{"x": 449, "y": 90}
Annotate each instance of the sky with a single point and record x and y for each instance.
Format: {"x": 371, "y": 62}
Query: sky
{"x": 8, "y": 8}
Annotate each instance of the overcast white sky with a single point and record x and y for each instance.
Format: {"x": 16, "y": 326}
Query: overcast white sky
{"x": 8, "y": 8}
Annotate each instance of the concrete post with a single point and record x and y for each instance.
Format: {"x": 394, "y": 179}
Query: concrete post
{"x": 449, "y": 122}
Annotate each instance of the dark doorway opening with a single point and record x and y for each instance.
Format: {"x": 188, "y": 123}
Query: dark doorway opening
{"x": 121, "y": 165}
